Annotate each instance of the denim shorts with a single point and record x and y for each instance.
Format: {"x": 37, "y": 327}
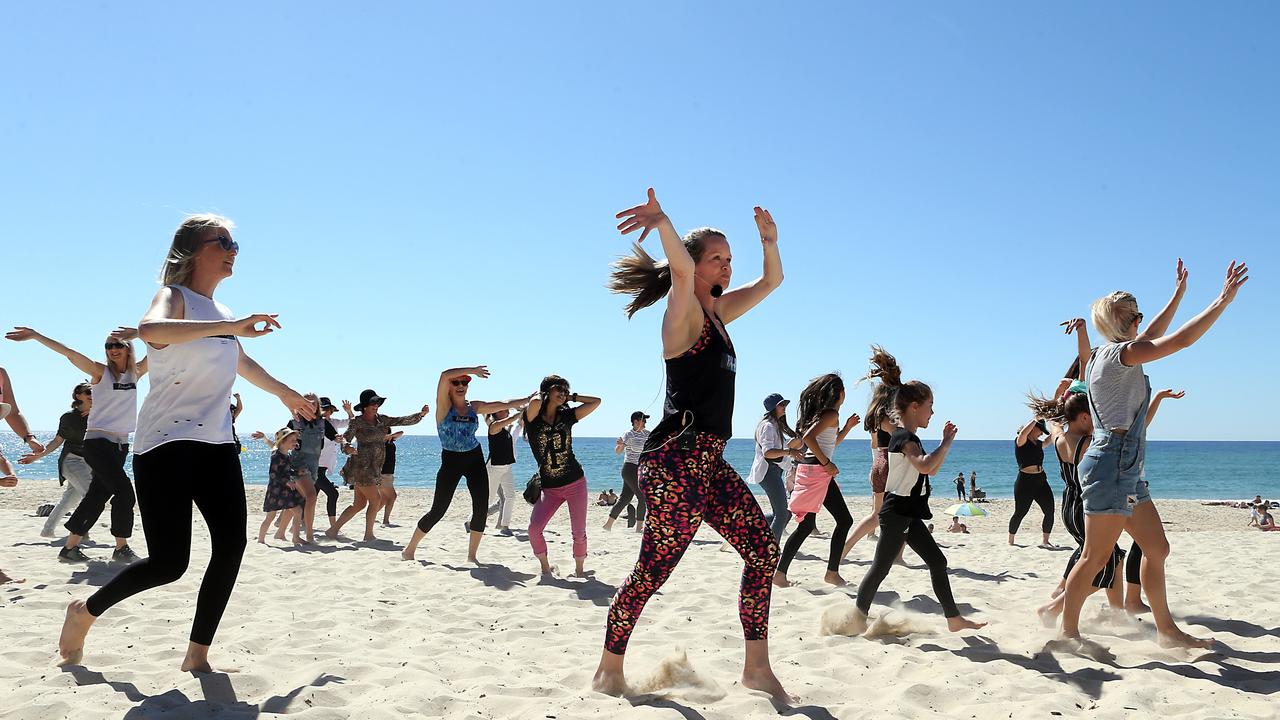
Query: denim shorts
{"x": 1111, "y": 474}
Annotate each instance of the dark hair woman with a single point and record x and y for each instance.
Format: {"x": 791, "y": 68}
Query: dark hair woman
{"x": 772, "y": 460}
{"x": 683, "y": 473}
{"x": 73, "y": 471}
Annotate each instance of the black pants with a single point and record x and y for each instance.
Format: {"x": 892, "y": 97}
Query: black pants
{"x": 1029, "y": 488}
{"x": 1133, "y": 566}
{"x": 895, "y": 530}
{"x": 106, "y": 459}
{"x": 326, "y": 485}
{"x": 170, "y": 478}
{"x": 630, "y": 489}
{"x": 834, "y": 503}
{"x": 453, "y": 467}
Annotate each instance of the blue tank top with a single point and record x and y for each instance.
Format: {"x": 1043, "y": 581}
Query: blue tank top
{"x": 458, "y": 432}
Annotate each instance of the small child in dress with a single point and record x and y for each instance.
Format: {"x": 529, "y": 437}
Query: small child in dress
{"x": 282, "y": 494}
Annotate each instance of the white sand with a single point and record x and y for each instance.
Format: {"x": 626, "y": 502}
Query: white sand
{"x": 350, "y": 631}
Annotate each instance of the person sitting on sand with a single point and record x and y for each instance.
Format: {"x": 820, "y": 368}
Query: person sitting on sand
{"x": 957, "y": 526}
{"x": 1266, "y": 522}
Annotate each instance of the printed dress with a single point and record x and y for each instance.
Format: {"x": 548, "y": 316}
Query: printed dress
{"x": 365, "y": 467}
{"x": 279, "y": 495}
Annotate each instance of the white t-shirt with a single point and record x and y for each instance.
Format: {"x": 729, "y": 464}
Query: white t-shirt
{"x": 767, "y": 438}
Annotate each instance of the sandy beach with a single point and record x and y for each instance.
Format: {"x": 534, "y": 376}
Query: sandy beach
{"x": 348, "y": 630}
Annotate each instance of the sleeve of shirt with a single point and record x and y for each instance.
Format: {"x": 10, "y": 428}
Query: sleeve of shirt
{"x": 64, "y": 426}
{"x": 770, "y": 439}
{"x": 568, "y": 416}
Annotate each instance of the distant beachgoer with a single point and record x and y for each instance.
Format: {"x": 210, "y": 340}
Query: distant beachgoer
{"x": 183, "y": 449}
{"x": 957, "y": 526}
{"x": 1032, "y": 484}
{"x": 106, "y": 440}
{"x": 363, "y": 470}
{"x": 973, "y": 485}
{"x": 1115, "y": 497}
{"x": 880, "y": 423}
{"x": 960, "y": 487}
{"x": 282, "y": 493}
{"x": 630, "y": 445}
{"x": 500, "y": 464}
{"x": 333, "y": 442}
{"x": 457, "y": 421}
{"x": 73, "y": 471}
{"x": 818, "y": 423}
{"x": 683, "y": 473}
{"x": 1266, "y": 522}
{"x": 772, "y": 461}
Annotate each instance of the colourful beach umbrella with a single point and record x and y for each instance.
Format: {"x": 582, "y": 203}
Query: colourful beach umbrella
{"x": 967, "y": 510}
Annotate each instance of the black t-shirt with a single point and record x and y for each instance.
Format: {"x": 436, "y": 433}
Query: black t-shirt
{"x": 906, "y": 489}
{"x": 71, "y": 428}
{"x": 501, "y": 448}
{"x": 552, "y": 446}
{"x": 389, "y": 460}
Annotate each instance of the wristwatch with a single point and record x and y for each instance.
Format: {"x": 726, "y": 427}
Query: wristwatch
{"x": 28, "y": 437}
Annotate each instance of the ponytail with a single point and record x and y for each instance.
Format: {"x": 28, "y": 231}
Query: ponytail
{"x": 647, "y": 280}
{"x": 885, "y": 367}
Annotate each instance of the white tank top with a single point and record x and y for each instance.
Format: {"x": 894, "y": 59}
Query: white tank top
{"x": 115, "y": 407}
{"x": 190, "y": 392}
{"x": 826, "y": 441}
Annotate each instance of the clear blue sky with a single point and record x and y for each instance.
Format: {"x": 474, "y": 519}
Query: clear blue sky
{"x": 424, "y": 185}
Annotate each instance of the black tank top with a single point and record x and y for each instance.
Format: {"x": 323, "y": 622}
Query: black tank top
{"x": 882, "y": 438}
{"x": 1029, "y": 454}
{"x": 501, "y": 451}
{"x": 700, "y": 381}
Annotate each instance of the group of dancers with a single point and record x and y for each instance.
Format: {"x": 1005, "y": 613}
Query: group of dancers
{"x": 185, "y": 452}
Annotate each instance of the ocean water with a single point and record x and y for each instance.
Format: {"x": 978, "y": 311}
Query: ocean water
{"x": 1196, "y": 470}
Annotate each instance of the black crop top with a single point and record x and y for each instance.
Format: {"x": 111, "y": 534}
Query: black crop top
{"x": 1029, "y": 454}
{"x": 700, "y": 381}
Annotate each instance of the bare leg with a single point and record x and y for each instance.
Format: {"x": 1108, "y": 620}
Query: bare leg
{"x": 1148, "y": 532}
{"x": 757, "y": 674}
{"x": 374, "y": 496}
{"x": 412, "y": 547}
{"x": 1100, "y": 535}
{"x": 868, "y": 524}
{"x": 473, "y": 546}
{"x": 389, "y": 496}
{"x": 266, "y": 525}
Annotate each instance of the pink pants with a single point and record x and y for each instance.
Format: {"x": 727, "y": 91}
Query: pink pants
{"x": 575, "y": 493}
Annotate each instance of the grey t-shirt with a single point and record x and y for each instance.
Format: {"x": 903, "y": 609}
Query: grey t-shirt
{"x": 1117, "y": 390}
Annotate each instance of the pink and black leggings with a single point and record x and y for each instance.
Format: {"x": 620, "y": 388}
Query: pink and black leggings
{"x": 683, "y": 488}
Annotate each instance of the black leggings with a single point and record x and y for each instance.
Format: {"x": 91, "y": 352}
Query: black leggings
{"x": 170, "y": 478}
{"x": 1133, "y": 566}
{"x": 1030, "y": 488}
{"x": 453, "y": 467}
{"x": 106, "y": 459}
{"x": 896, "y": 529}
{"x": 834, "y": 503}
{"x": 630, "y": 489}
{"x": 330, "y": 490}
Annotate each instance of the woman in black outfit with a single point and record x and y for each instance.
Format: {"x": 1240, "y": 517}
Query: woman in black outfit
{"x": 1032, "y": 484}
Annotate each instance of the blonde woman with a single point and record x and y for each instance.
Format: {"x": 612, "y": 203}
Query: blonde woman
{"x": 1115, "y": 495}
{"x": 106, "y": 440}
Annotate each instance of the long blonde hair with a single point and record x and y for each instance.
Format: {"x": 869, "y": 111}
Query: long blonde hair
{"x": 179, "y": 264}
{"x": 1106, "y": 315}
{"x": 130, "y": 363}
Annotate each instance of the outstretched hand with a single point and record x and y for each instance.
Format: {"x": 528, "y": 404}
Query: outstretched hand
{"x": 298, "y": 405}
{"x": 764, "y": 222}
{"x": 644, "y": 217}
{"x": 480, "y": 371}
{"x": 949, "y": 431}
{"x": 851, "y": 421}
{"x": 20, "y": 333}
{"x": 247, "y": 327}
{"x": 1171, "y": 394}
{"x": 426, "y": 409}
{"x": 1237, "y": 275}
{"x": 1072, "y": 325}
{"x": 124, "y": 334}
{"x": 1180, "y": 284}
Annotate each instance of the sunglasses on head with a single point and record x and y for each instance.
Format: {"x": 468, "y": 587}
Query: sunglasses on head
{"x": 114, "y": 346}
{"x": 460, "y": 382}
{"x": 225, "y": 242}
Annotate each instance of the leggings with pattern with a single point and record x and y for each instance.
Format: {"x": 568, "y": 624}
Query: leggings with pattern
{"x": 683, "y": 488}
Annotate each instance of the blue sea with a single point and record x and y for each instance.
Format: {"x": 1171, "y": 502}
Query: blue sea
{"x": 1196, "y": 470}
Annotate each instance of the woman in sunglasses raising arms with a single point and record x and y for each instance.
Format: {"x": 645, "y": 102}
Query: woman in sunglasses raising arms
{"x": 683, "y": 473}
{"x": 457, "y": 420}
{"x": 184, "y": 452}
{"x": 106, "y": 440}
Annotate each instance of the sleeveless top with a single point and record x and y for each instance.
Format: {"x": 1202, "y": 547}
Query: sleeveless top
{"x": 115, "y": 407}
{"x": 882, "y": 439}
{"x": 906, "y": 489}
{"x": 458, "y": 432}
{"x": 1028, "y": 454}
{"x": 826, "y": 442}
{"x": 190, "y": 383}
{"x": 700, "y": 382}
{"x": 502, "y": 449}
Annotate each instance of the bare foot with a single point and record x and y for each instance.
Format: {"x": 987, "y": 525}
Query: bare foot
{"x": 1047, "y": 546}
{"x": 368, "y": 537}
{"x": 766, "y": 681}
{"x": 4, "y": 578}
{"x": 262, "y": 541}
{"x": 1181, "y": 639}
{"x": 200, "y": 666}
{"x": 608, "y": 525}
{"x": 473, "y": 560}
{"x": 1139, "y": 609}
{"x": 780, "y": 580}
{"x": 1049, "y": 614}
{"x": 833, "y": 578}
{"x": 407, "y": 553}
{"x": 279, "y": 536}
{"x": 583, "y": 573}
{"x": 960, "y": 622}
{"x": 74, "y": 629}
{"x": 609, "y": 683}
{"x": 331, "y": 533}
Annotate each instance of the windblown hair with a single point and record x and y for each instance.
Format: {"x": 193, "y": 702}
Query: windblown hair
{"x": 911, "y": 392}
{"x": 179, "y": 264}
{"x": 79, "y": 388}
{"x": 1062, "y": 410}
{"x": 1111, "y": 315}
{"x": 820, "y": 395}
{"x": 647, "y": 280}
{"x": 885, "y": 367}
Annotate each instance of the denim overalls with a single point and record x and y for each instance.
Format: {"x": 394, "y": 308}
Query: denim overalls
{"x": 310, "y": 442}
{"x": 1111, "y": 469}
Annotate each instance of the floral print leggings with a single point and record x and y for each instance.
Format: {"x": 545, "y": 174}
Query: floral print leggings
{"x": 683, "y": 488}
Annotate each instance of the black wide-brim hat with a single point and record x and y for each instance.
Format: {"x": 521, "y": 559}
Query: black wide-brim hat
{"x": 369, "y": 397}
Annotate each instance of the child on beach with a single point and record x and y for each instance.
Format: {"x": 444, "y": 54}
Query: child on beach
{"x": 282, "y": 490}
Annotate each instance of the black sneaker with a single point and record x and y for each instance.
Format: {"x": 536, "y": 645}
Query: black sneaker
{"x": 124, "y": 554}
{"x": 72, "y": 555}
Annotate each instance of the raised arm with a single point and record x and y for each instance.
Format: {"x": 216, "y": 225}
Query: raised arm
{"x": 1025, "y": 432}
{"x": 162, "y": 325}
{"x": 250, "y": 370}
{"x": 1081, "y": 330}
{"x": 498, "y": 425}
{"x": 930, "y": 463}
{"x": 413, "y": 419}
{"x": 79, "y": 360}
{"x": 849, "y": 424}
{"x": 442, "y": 387}
{"x": 1155, "y": 401}
{"x": 588, "y": 406}
{"x": 682, "y": 321}
{"x": 735, "y": 303}
{"x": 237, "y": 408}
{"x": 1145, "y": 351}
{"x": 1160, "y": 323}
{"x": 486, "y": 407}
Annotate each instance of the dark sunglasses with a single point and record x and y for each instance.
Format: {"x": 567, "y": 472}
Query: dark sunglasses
{"x": 114, "y": 346}
{"x": 225, "y": 242}
{"x": 1136, "y": 318}
{"x": 562, "y": 388}
{"x": 461, "y": 382}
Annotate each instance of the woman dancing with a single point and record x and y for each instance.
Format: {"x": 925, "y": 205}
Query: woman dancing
{"x": 499, "y": 466}
{"x": 73, "y": 471}
{"x": 772, "y": 460}
{"x": 630, "y": 446}
{"x": 1115, "y": 496}
{"x": 683, "y": 473}
{"x": 879, "y": 422}
{"x": 184, "y": 452}
{"x": 106, "y": 439}
{"x": 1032, "y": 484}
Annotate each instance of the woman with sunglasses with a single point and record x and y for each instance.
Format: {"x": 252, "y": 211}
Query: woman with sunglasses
{"x": 183, "y": 450}
{"x": 369, "y": 429}
{"x": 457, "y": 420}
{"x": 73, "y": 471}
{"x": 106, "y": 440}
{"x": 1115, "y": 496}
{"x": 683, "y": 473}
